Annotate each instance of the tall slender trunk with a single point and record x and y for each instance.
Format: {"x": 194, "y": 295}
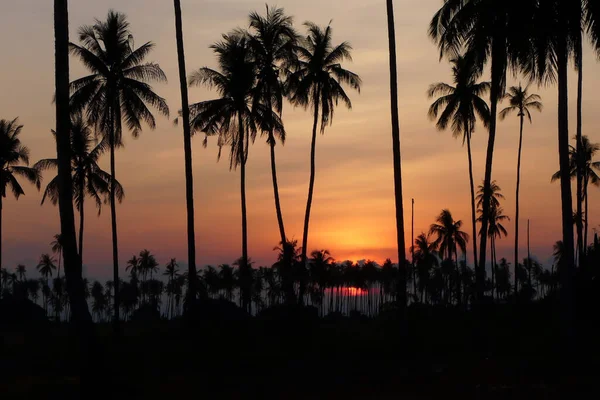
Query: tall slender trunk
{"x": 522, "y": 119}
{"x": 242, "y": 155}
{"x": 412, "y": 247}
{"x": 580, "y": 161}
{"x": 81, "y": 218}
{"x": 473, "y": 208}
{"x": 113, "y": 221}
{"x": 528, "y": 258}
{"x": 396, "y": 153}
{"x": 73, "y": 270}
{"x": 586, "y": 228}
{"x": 272, "y": 143}
{"x": 311, "y": 187}
{"x": 187, "y": 149}
{"x": 565, "y": 185}
{"x": 485, "y": 215}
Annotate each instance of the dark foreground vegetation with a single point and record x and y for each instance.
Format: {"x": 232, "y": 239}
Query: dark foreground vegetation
{"x": 217, "y": 351}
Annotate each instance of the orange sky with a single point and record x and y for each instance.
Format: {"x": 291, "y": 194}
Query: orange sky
{"x": 353, "y": 212}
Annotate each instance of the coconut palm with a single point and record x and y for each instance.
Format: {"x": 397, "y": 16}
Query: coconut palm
{"x": 73, "y": 267}
{"x": 13, "y": 153}
{"x": 520, "y": 102}
{"x": 491, "y": 31}
{"x": 272, "y": 41}
{"x": 88, "y": 179}
{"x": 494, "y": 196}
{"x": 317, "y": 82}
{"x": 426, "y": 259}
{"x": 234, "y": 116}
{"x": 117, "y": 91}
{"x": 581, "y": 162}
{"x": 495, "y": 231}
{"x": 187, "y": 149}
{"x": 171, "y": 272}
{"x": 46, "y": 266}
{"x": 458, "y": 107}
{"x": 22, "y": 272}
{"x": 396, "y": 147}
{"x": 449, "y": 238}
{"x": 56, "y": 247}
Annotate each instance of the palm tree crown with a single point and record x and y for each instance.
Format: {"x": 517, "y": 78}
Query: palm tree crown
{"x": 449, "y": 236}
{"x": 521, "y": 102}
{"x": 13, "y": 153}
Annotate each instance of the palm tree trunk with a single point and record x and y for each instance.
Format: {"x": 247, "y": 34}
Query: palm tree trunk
{"x": 81, "y": 220}
{"x": 565, "y": 183}
{"x": 586, "y": 228}
{"x": 276, "y": 190}
{"x": 580, "y": 168}
{"x": 73, "y": 270}
{"x": 473, "y": 209}
{"x": 242, "y": 155}
{"x": 522, "y": 119}
{"x": 187, "y": 148}
{"x": 311, "y": 187}
{"x": 396, "y": 153}
{"x": 113, "y": 220}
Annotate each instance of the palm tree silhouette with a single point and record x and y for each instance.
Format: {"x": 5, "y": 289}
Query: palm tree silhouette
{"x": 400, "y": 242}
{"x": 116, "y": 91}
{"x": 426, "y": 259}
{"x": 520, "y": 101}
{"x": 494, "y": 31}
{"x": 171, "y": 272}
{"x": 56, "y": 247}
{"x": 459, "y": 106}
{"x": 13, "y": 153}
{"x": 45, "y": 267}
{"x": 87, "y": 176}
{"x": 495, "y": 231}
{"x": 317, "y": 83}
{"x": 187, "y": 149}
{"x": 22, "y": 272}
{"x": 273, "y": 42}
{"x": 449, "y": 239}
{"x": 73, "y": 267}
{"x": 582, "y": 162}
{"x": 235, "y": 117}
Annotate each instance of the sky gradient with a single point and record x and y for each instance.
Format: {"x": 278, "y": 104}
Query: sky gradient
{"x": 353, "y": 206}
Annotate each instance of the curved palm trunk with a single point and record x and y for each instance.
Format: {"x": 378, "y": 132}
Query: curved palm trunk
{"x": 494, "y": 96}
{"x": 580, "y": 170}
{"x": 396, "y": 152}
{"x": 565, "y": 185}
{"x": 311, "y": 187}
{"x": 73, "y": 270}
{"x": 242, "y": 155}
{"x": 580, "y": 167}
{"x": 586, "y": 228}
{"x": 522, "y": 117}
{"x": 276, "y": 189}
{"x": 113, "y": 220}
{"x": 473, "y": 208}
{"x": 81, "y": 221}
{"x": 187, "y": 148}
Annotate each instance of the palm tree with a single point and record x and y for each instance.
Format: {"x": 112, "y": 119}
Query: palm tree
{"x": 494, "y": 31}
{"x": 272, "y": 41}
{"x": 13, "y": 153}
{"x": 495, "y": 230}
{"x": 235, "y": 117}
{"x": 116, "y": 91}
{"x": 426, "y": 259}
{"x": 459, "y": 106}
{"x": 56, "y": 247}
{"x": 520, "y": 101}
{"x": 449, "y": 238}
{"x": 72, "y": 260}
{"x": 171, "y": 272}
{"x": 22, "y": 272}
{"x": 581, "y": 162}
{"x": 187, "y": 149}
{"x": 88, "y": 179}
{"x": 317, "y": 83}
{"x": 396, "y": 148}
{"x": 46, "y": 266}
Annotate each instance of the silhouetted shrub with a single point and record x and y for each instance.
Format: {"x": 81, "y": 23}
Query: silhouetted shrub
{"x": 21, "y": 312}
